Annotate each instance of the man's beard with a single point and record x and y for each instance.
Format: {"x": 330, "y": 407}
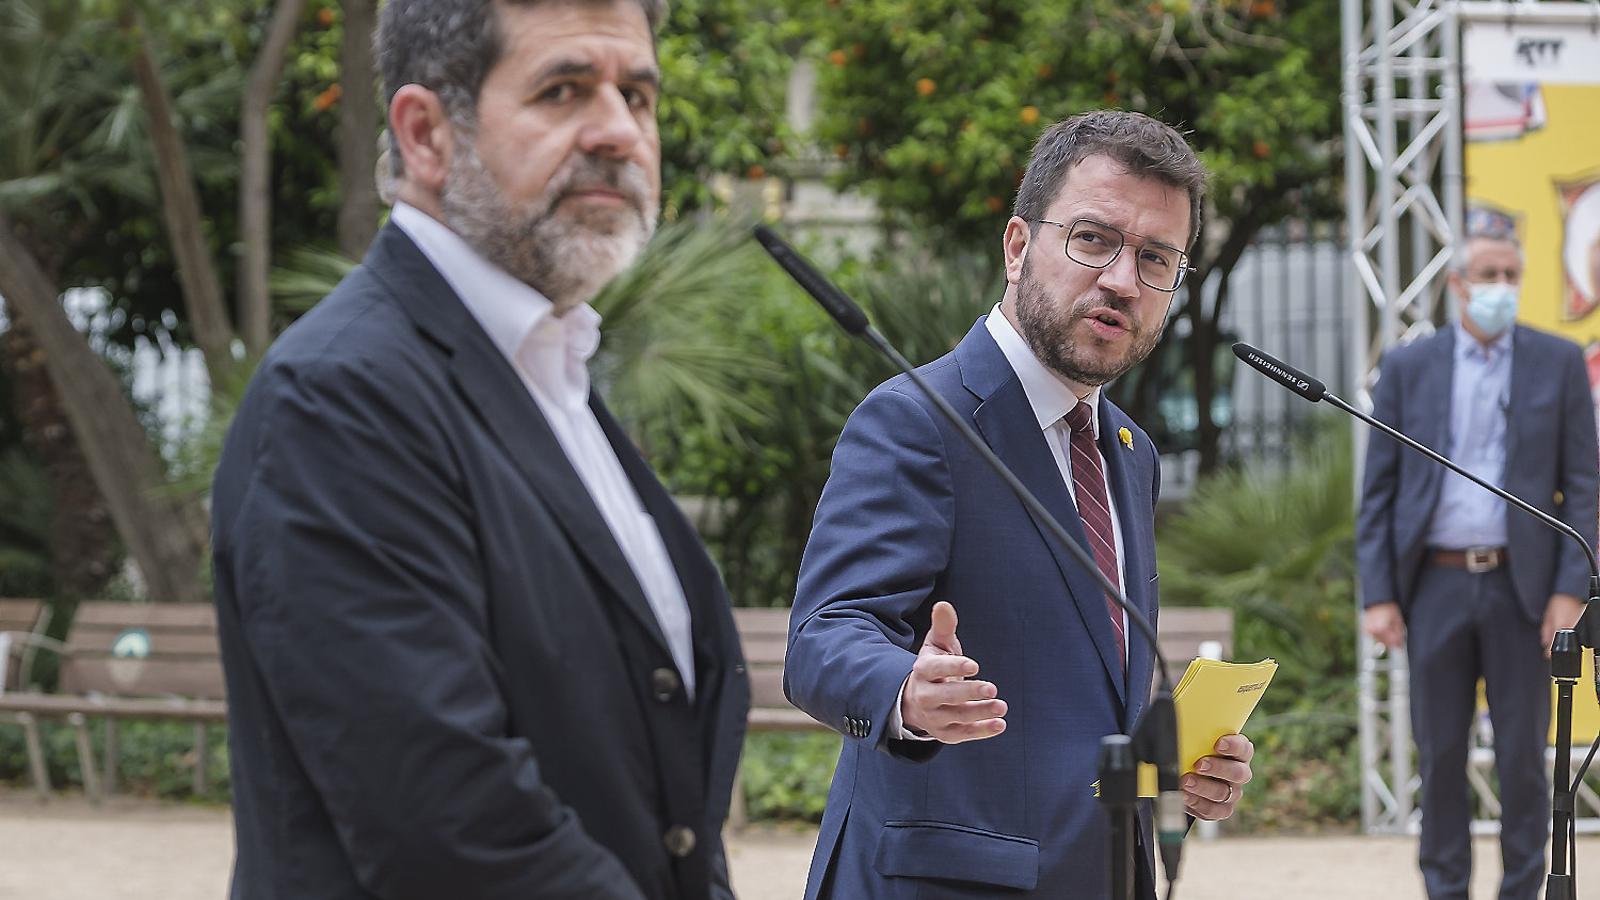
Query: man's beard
{"x": 1047, "y": 329}
{"x": 566, "y": 254}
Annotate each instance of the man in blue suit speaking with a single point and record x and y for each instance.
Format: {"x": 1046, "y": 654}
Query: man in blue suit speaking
{"x": 949, "y": 786}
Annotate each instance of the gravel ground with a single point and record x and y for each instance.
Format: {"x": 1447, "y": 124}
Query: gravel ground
{"x": 139, "y": 850}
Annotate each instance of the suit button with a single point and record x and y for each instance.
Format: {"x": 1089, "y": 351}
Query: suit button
{"x": 680, "y": 840}
{"x": 664, "y": 683}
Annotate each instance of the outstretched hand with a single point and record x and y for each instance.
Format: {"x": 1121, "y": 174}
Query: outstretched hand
{"x": 939, "y": 699}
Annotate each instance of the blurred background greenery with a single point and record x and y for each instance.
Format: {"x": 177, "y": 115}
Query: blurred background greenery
{"x": 887, "y": 136}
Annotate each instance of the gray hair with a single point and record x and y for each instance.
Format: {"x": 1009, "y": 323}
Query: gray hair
{"x": 1462, "y": 254}
{"x": 449, "y": 46}
{"x": 1146, "y": 147}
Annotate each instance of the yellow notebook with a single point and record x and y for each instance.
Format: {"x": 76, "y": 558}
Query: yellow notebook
{"x": 1213, "y": 699}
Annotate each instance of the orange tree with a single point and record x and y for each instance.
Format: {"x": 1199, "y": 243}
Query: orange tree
{"x": 932, "y": 106}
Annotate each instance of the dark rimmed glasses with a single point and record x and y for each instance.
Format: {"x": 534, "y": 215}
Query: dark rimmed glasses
{"x": 1096, "y": 245}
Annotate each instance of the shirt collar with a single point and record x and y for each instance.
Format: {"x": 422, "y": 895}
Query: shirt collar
{"x": 552, "y": 350}
{"x": 1468, "y": 346}
{"x": 507, "y": 308}
{"x": 1049, "y": 397}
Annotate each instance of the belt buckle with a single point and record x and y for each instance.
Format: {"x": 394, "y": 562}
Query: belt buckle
{"x": 1482, "y": 559}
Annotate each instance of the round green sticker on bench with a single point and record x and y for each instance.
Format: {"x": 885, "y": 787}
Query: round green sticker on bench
{"x": 132, "y": 643}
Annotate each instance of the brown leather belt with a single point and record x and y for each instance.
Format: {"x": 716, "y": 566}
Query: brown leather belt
{"x": 1473, "y": 559}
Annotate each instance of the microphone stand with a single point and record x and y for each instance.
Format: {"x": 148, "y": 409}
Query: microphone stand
{"x": 1566, "y": 651}
{"x": 1156, "y": 734}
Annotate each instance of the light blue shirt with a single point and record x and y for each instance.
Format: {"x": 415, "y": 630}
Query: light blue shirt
{"x": 1480, "y": 393}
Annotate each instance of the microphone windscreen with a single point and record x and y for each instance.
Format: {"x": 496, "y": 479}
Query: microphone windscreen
{"x": 1281, "y": 372}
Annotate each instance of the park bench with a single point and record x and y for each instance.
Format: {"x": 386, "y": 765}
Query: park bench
{"x": 22, "y": 633}
{"x": 764, "y": 634}
{"x": 155, "y": 661}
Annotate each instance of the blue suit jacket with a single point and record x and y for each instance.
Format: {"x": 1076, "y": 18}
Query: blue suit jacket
{"x": 910, "y": 516}
{"x": 1550, "y": 462}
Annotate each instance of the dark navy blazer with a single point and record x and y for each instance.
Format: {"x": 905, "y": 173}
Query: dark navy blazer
{"x": 910, "y": 516}
{"x": 443, "y": 679}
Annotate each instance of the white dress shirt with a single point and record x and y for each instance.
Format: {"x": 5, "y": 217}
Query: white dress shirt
{"x": 551, "y": 354}
{"x": 1051, "y": 399}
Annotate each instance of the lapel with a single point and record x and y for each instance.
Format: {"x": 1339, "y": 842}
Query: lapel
{"x": 696, "y": 573}
{"x": 1524, "y": 360}
{"x": 1128, "y": 482}
{"x": 489, "y": 385}
{"x": 1006, "y": 421}
{"x": 1438, "y": 396}
{"x": 722, "y": 694}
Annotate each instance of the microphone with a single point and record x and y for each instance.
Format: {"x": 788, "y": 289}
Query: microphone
{"x": 1281, "y": 372}
{"x": 1566, "y": 653}
{"x": 1313, "y": 390}
{"x": 1160, "y": 731}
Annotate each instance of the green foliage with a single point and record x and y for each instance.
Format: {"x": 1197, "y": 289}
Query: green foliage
{"x": 156, "y": 759}
{"x": 1276, "y": 545}
{"x": 662, "y": 363}
{"x": 26, "y": 508}
{"x": 786, "y": 776}
{"x": 763, "y": 475}
{"x": 934, "y": 105}
{"x": 724, "y": 71}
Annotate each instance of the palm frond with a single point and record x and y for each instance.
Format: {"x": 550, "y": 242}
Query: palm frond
{"x": 306, "y": 275}
{"x": 667, "y": 353}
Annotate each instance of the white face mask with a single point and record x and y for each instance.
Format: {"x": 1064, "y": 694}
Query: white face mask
{"x": 1492, "y": 307}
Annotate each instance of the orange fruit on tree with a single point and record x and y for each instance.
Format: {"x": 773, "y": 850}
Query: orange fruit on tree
{"x": 1029, "y": 115}
{"x": 838, "y": 58}
{"x": 327, "y": 98}
{"x": 926, "y": 86}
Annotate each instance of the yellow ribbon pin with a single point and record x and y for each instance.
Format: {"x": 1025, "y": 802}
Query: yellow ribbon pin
{"x": 1127, "y": 437}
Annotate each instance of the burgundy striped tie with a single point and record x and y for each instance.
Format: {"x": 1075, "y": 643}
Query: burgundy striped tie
{"x": 1089, "y": 488}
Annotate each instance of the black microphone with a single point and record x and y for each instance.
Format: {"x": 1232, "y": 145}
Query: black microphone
{"x": 1566, "y": 652}
{"x": 840, "y": 307}
{"x": 1281, "y": 372}
{"x": 1313, "y": 390}
{"x": 1162, "y": 733}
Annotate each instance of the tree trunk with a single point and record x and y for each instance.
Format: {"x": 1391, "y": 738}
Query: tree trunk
{"x": 180, "y": 207}
{"x": 165, "y": 533}
{"x": 1202, "y": 356}
{"x": 82, "y": 542}
{"x": 358, "y": 131}
{"x": 1206, "y": 329}
{"x": 255, "y": 180}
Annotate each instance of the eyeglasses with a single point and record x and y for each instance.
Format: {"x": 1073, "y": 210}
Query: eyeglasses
{"x": 1096, "y": 245}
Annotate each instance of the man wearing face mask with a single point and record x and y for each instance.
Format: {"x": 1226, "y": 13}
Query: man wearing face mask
{"x": 1472, "y": 588}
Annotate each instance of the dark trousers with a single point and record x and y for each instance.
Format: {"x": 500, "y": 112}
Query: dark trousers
{"x": 1461, "y": 627}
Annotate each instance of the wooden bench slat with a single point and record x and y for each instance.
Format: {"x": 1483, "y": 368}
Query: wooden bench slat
{"x": 96, "y": 642}
{"x": 199, "y": 678}
{"x": 200, "y": 616}
{"x": 116, "y": 707}
{"x": 20, "y": 615}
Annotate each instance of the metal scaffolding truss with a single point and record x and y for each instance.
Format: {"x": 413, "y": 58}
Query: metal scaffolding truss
{"x": 1404, "y": 204}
